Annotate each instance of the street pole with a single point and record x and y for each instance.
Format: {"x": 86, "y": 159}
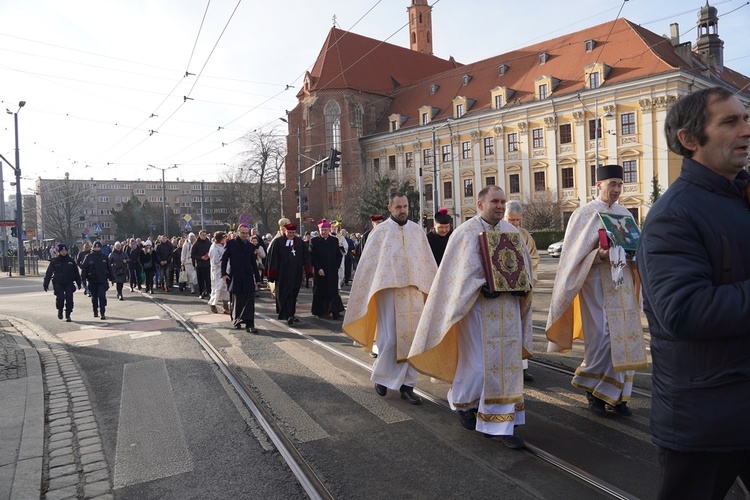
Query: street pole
{"x": 299, "y": 181}
{"x": 203, "y": 210}
{"x": 19, "y": 202}
{"x": 163, "y": 194}
{"x": 596, "y": 135}
{"x": 435, "y": 190}
{"x": 3, "y": 234}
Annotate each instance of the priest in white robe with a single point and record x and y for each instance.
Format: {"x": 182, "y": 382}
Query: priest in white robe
{"x": 593, "y": 304}
{"x": 473, "y": 338}
{"x": 388, "y": 295}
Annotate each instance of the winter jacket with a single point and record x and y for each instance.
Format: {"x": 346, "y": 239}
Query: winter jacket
{"x": 201, "y": 248}
{"x": 118, "y": 260}
{"x": 62, "y": 271}
{"x": 695, "y": 272}
{"x": 243, "y": 270}
{"x": 96, "y": 268}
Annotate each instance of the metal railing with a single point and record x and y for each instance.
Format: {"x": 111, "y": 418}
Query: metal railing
{"x": 31, "y": 265}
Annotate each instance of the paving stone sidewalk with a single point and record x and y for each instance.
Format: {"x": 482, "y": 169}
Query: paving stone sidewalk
{"x": 74, "y": 465}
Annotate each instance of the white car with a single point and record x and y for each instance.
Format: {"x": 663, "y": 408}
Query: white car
{"x": 555, "y": 249}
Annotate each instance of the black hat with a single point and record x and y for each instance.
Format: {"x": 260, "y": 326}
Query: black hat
{"x": 604, "y": 172}
{"x": 442, "y": 217}
{"x": 61, "y": 247}
{"x": 96, "y": 244}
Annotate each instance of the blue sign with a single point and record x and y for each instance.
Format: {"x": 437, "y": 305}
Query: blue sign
{"x": 98, "y": 228}
{"x": 244, "y": 218}
{"x": 188, "y": 226}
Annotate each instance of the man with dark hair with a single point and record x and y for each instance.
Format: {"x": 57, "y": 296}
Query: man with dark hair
{"x": 441, "y": 232}
{"x": 164, "y": 250}
{"x": 387, "y": 297}
{"x": 696, "y": 295}
{"x": 64, "y": 274}
{"x": 374, "y": 221}
{"x": 475, "y": 338}
{"x": 202, "y": 263}
{"x": 595, "y": 298}
{"x": 79, "y": 261}
{"x": 98, "y": 274}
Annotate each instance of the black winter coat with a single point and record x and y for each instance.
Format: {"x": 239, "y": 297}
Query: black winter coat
{"x": 243, "y": 267}
{"x": 695, "y": 270}
{"x": 201, "y": 248}
{"x": 96, "y": 268}
{"x": 119, "y": 263}
{"x": 62, "y": 271}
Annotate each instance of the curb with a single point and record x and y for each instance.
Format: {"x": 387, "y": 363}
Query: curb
{"x": 27, "y": 479}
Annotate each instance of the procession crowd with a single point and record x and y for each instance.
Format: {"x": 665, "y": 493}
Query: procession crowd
{"x": 436, "y": 304}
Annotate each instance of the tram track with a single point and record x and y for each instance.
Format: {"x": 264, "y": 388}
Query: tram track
{"x": 312, "y": 484}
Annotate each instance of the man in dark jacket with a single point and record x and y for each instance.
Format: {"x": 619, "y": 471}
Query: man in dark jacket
{"x": 63, "y": 271}
{"x": 694, "y": 265}
{"x": 241, "y": 277}
{"x": 164, "y": 251}
{"x": 79, "y": 261}
{"x": 285, "y": 266}
{"x": 98, "y": 274}
{"x": 202, "y": 263}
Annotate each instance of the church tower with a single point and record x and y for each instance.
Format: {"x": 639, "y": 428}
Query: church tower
{"x": 709, "y": 45}
{"x": 420, "y": 26}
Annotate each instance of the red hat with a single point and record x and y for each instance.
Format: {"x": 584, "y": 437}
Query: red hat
{"x": 376, "y": 218}
{"x": 324, "y": 223}
{"x": 290, "y": 227}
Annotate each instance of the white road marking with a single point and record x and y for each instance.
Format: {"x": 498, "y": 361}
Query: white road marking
{"x": 147, "y": 318}
{"x": 158, "y": 449}
{"x": 85, "y": 343}
{"x": 141, "y": 335}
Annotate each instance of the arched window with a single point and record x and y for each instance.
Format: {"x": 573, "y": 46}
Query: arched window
{"x": 359, "y": 119}
{"x": 413, "y": 37}
{"x": 332, "y": 112}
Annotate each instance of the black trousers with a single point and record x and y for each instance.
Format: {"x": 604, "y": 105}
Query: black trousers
{"x": 243, "y": 308}
{"x": 204, "y": 279}
{"x": 135, "y": 275}
{"x": 99, "y": 295}
{"x": 701, "y": 475}
{"x": 64, "y": 297}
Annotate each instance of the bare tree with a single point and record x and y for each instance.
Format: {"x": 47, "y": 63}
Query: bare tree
{"x": 542, "y": 211}
{"x": 371, "y": 196}
{"x": 63, "y": 204}
{"x": 262, "y": 171}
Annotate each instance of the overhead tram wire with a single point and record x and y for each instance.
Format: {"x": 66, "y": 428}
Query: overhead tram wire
{"x": 197, "y": 36}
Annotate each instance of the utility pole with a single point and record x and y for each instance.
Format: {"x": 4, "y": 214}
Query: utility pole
{"x": 203, "y": 210}
{"x": 19, "y": 200}
{"x": 300, "y": 193}
{"x": 3, "y": 234}
{"x": 163, "y": 195}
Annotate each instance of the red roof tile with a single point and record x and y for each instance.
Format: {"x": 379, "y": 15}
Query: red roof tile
{"x": 351, "y": 61}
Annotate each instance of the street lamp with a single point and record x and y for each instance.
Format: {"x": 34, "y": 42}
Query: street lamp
{"x": 299, "y": 176}
{"x": 435, "y": 190}
{"x": 19, "y": 202}
{"x": 163, "y": 194}
{"x": 598, "y": 132}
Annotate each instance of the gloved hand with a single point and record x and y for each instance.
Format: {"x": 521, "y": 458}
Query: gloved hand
{"x": 487, "y": 293}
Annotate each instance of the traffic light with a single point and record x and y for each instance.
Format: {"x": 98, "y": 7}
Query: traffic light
{"x": 424, "y": 220}
{"x": 334, "y": 159}
{"x": 14, "y": 231}
{"x": 305, "y": 206}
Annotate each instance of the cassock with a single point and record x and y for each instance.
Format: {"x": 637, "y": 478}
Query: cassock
{"x": 473, "y": 342}
{"x": 325, "y": 255}
{"x": 587, "y": 306}
{"x": 388, "y": 292}
{"x": 438, "y": 244}
{"x": 287, "y": 259}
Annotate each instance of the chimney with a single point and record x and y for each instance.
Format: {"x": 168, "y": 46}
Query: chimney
{"x": 674, "y": 30}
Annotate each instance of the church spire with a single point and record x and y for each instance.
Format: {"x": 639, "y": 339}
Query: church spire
{"x": 420, "y": 26}
{"x": 709, "y": 45}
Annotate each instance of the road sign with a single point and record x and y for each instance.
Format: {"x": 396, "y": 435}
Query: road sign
{"x": 98, "y": 228}
{"x": 7, "y": 223}
{"x": 244, "y": 218}
{"x": 188, "y": 226}
{"x": 30, "y": 233}
{"x": 187, "y": 217}
{"x": 85, "y": 230}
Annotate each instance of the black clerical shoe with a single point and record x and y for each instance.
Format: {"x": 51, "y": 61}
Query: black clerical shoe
{"x": 251, "y": 329}
{"x": 407, "y": 393}
{"x": 596, "y": 405}
{"x": 514, "y": 442}
{"x": 622, "y": 409}
{"x": 381, "y": 390}
{"x": 336, "y": 316}
{"x": 468, "y": 418}
{"x": 290, "y": 320}
{"x": 238, "y": 326}
{"x": 527, "y": 377}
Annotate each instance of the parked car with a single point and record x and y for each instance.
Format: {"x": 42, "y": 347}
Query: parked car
{"x": 555, "y": 249}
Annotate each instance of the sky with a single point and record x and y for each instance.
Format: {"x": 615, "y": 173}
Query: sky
{"x": 113, "y": 86}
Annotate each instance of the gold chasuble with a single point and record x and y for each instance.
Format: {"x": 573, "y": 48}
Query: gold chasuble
{"x": 396, "y": 257}
{"x": 622, "y": 304}
{"x": 506, "y": 320}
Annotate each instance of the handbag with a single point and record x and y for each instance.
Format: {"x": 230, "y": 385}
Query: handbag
{"x": 183, "y": 277}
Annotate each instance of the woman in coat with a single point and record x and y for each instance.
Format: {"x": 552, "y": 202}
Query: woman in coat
{"x": 118, "y": 261}
{"x": 219, "y": 291}
{"x": 149, "y": 263}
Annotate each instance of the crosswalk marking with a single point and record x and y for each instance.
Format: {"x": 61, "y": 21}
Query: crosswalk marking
{"x": 147, "y": 318}
{"x": 144, "y": 334}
